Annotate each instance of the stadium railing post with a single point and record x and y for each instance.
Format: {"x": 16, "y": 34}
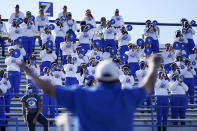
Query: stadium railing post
{"x": 16, "y": 124}
{"x": 152, "y": 115}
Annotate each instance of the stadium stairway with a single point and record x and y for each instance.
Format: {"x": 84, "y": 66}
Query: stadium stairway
{"x": 142, "y": 115}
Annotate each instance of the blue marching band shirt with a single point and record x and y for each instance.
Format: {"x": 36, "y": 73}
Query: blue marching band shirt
{"x": 105, "y": 107}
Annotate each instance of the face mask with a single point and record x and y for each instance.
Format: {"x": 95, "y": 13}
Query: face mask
{"x": 29, "y": 91}
{"x": 49, "y": 51}
{"x": 53, "y": 69}
{"x": 88, "y": 82}
{"x": 33, "y": 62}
{"x": 14, "y": 24}
{"x": 178, "y": 34}
{"x": 141, "y": 66}
{"x": 148, "y": 24}
{"x": 174, "y": 79}
{"x": 168, "y": 48}
{"x": 58, "y": 23}
{"x": 123, "y": 32}
{"x": 82, "y": 28}
{"x": 108, "y": 50}
{"x": 173, "y": 67}
{"x": 186, "y": 25}
{"x": 126, "y": 72}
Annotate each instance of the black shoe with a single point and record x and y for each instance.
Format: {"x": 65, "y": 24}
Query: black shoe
{"x": 3, "y": 54}
{"x": 50, "y": 123}
{"x": 2, "y": 128}
{"x": 159, "y": 128}
{"x": 7, "y": 120}
{"x": 164, "y": 128}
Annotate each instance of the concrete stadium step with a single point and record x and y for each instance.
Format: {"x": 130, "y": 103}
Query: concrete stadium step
{"x": 144, "y": 118}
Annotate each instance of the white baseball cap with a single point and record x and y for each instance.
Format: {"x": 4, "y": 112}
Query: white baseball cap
{"x": 107, "y": 71}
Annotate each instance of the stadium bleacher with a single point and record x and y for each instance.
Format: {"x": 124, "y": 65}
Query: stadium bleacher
{"x": 145, "y": 118}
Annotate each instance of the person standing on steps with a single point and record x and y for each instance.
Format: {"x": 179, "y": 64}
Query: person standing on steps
{"x": 32, "y": 104}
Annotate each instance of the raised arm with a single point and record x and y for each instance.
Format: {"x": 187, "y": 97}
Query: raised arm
{"x": 47, "y": 87}
{"x": 149, "y": 80}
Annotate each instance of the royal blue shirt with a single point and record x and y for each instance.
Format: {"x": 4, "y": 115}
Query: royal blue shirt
{"x": 105, "y": 107}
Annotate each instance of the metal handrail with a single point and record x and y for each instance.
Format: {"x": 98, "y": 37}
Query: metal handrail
{"x": 127, "y": 23}
{"x": 4, "y": 119}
